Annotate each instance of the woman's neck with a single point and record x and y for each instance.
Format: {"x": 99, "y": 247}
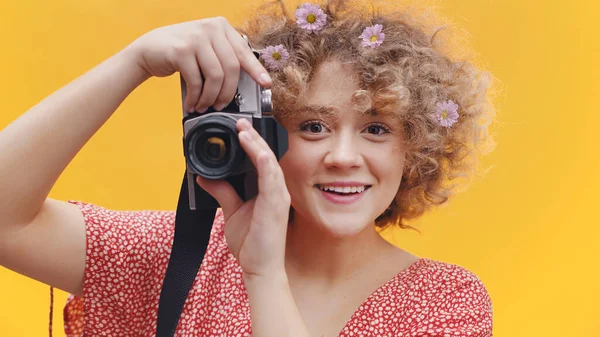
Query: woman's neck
{"x": 323, "y": 259}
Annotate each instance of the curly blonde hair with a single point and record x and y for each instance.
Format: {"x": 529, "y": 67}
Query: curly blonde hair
{"x": 417, "y": 66}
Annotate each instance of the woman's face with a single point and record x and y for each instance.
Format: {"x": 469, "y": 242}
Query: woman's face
{"x": 359, "y": 157}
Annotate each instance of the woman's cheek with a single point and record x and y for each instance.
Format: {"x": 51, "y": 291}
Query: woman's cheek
{"x": 298, "y": 164}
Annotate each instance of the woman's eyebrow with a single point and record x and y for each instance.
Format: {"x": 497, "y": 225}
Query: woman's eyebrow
{"x": 372, "y": 112}
{"x": 322, "y": 111}
{"x": 331, "y": 112}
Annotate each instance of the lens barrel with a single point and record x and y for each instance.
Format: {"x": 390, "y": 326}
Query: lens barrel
{"x": 212, "y": 148}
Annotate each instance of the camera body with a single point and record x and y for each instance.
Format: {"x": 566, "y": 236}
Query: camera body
{"x": 211, "y": 144}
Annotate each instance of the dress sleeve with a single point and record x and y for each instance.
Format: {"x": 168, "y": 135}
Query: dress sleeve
{"x": 461, "y": 310}
{"x": 126, "y": 257}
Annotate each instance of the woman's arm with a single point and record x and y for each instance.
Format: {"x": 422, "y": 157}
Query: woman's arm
{"x": 37, "y": 147}
{"x": 40, "y": 238}
{"x": 45, "y": 239}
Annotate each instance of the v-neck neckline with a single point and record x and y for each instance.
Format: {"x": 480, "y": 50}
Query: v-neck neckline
{"x": 376, "y": 294}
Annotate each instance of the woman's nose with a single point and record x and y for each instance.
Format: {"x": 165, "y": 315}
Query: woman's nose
{"x": 343, "y": 153}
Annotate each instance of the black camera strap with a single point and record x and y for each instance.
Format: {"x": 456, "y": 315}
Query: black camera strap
{"x": 192, "y": 233}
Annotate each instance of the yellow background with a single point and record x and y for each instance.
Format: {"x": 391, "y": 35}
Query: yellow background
{"x": 529, "y": 229}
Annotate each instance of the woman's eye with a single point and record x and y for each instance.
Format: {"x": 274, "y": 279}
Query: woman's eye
{"x": 312, "y": 127}
{"x": 377, "y": 129}
{"x": 315, "y": 128}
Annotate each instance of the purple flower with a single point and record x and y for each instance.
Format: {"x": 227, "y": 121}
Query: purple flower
{"x": 446, "y": 113}
{"x": 275, "y": 56}
{"x": 372, "y": 36}
{"x": 311, "y": 17}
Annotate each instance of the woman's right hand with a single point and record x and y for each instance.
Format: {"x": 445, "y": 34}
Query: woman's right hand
{"x": 211, "y": 46}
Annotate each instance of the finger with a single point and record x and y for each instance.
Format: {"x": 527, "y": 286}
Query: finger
{"x": 231, "y": 68}
{"x": 244, "y": 125}
{"x": 190, "y": 71}
{"x": 223, "y": 192}
{"x": 213, "y": 77}
{"x": 271, "y": 183}
{"x": 247, "y": 60}
{"x": 273, "y": 196}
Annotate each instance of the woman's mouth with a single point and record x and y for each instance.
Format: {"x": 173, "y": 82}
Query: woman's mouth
{"x": 342, "y": 194}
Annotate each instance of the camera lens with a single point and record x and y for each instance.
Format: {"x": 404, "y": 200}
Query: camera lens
{"x": 214, "y": 149}
{"x": 211, "y": 147}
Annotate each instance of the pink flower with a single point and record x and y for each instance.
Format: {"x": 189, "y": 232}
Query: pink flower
{"x": 275, "y": 56}
{"x": 372, "y": 36}
{"x": 311, "y": 17}
{"x": 447, "y": 113}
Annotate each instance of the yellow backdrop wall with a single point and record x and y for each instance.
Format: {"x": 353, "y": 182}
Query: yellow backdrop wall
{"x": 528, "y": 229}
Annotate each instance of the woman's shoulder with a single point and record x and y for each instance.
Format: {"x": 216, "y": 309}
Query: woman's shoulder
{"x": 145, "y": 235}
{"x": 438, "y": 272}
{"x": 437, "y": 280}
{"x": 126, "y": 259}
{"x": 438, "y": 298}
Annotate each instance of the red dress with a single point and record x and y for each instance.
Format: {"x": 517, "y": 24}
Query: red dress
{"x": 126, "y": 259}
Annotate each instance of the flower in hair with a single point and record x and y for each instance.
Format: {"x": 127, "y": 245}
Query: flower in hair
{"x": 275, "y": 56}
{"x": 446, "y": 113}
{"x": 311, "y": 17}
{"x": 372, "y": 36}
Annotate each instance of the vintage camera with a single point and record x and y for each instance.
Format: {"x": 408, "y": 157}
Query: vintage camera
{"x": 211, "y": 144}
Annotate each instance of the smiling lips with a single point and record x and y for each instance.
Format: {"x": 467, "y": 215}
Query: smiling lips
{"x": 343, "y": 189}
{"x": 343, "y": 193}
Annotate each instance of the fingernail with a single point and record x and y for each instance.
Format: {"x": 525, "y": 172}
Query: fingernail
{"x": 219, "y": 107}
{"x": 265, "y": 78}
{"x": 191, "y": 110}
{"x": 202, "y": 110}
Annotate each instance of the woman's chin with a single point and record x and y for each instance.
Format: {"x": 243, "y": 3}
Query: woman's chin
{"x": 340, "y": 224}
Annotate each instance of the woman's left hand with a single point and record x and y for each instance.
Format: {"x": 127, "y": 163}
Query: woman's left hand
{"x": 255, "y": 230}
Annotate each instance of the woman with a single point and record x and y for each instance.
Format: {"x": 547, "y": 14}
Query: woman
{"x": 380, "y": 122}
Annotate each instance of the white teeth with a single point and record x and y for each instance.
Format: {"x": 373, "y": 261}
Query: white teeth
{"x": 347, "y": 189}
